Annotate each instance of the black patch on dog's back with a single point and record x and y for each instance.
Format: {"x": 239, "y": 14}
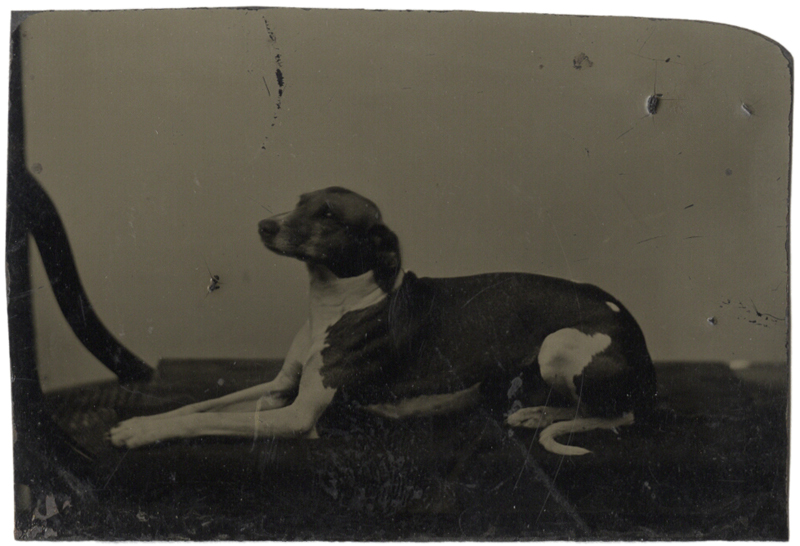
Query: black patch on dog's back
{"x": 444, "y": 335}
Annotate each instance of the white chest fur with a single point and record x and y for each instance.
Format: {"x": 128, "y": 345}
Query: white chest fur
{"x": 330, "y": 299}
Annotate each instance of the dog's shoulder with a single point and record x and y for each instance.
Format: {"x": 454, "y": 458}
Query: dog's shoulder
{"x": 365, "y": 346}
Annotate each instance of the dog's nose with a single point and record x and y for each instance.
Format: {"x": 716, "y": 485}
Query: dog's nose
{"x": 268, "y": 228}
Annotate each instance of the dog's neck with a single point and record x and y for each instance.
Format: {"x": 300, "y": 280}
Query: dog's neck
{"x": 331, "y": 297}
{"x": 328, "y": 290}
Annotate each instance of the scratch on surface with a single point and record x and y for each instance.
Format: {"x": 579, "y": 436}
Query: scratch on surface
{"x": 119, "y": 463}
{"x": 650, "y": 239}
{"x": 626, "y": 132}
{"x": 24, "y": 294}
{"x": 645, "y": 41}
{"x": 83, "y": 314}
{"x": 563, "y": 457}
{"x": 549, "y": 484}
{"x": 140, "y": 393}
{"x": 484, "y": 290}
{"x": 256, "y": 423}
{"x": 530, "y": 446}
{"x": 81, "y": 453}
{"x": 765, "y": 314}
{"x": 563, "y": 252}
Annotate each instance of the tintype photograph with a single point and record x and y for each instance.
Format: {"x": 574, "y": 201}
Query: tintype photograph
{"x": 315, "y": 274}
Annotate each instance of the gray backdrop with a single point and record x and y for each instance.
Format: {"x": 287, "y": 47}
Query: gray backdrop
{"x": 491, "y": 142}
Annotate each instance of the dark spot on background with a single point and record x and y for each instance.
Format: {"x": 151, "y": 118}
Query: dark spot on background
{"x": 652, "y": 103}
{"x": 269, "y": 31}
{"x": 728, "y": 172}
{"x": 581, "y": 60}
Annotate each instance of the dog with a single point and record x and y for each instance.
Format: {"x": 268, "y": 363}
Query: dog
{"x": 400, "y": 346}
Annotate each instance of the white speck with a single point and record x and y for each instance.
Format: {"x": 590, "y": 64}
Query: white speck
{"x": 613, "y": 307}
{"x": 221, "y": 382}
{"x": 739, "y": 364}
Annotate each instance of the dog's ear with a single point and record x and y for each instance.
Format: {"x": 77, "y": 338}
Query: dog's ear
{"x": 387, "y": 256}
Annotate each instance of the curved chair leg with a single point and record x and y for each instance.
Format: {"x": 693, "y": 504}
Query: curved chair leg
{"x": 30, "y": 210}
{"x": 44, "y": 454}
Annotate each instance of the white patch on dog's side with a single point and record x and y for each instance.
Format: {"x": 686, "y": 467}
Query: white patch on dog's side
{"x": 613, "y": 306}
{"x": 564, "y": 355}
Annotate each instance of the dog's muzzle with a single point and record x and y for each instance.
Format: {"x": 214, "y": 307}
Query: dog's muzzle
{"x": 275, "y": 237}
{"x": 268, "y": 228}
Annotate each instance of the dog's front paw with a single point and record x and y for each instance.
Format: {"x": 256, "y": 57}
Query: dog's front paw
{"x": 141, "y": 431}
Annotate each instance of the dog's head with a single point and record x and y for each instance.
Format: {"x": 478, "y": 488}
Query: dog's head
{"x": 338, "y": 229}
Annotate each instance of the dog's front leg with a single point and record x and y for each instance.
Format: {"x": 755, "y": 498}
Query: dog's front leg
{"x": 288, "y": 422}
{"x": 296, "y": 420}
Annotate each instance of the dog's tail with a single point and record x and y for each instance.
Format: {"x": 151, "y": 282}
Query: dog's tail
{"x": 548, "y": 436}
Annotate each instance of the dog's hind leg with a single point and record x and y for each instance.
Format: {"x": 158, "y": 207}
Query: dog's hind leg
{"x": 587, "y": 370}
{"x": 427, "y": 405}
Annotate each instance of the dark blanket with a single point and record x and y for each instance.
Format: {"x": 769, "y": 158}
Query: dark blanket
{"x": 712, "y": 465}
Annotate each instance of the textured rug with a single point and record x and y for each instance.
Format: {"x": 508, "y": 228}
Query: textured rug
{"x": 712, "y": 465}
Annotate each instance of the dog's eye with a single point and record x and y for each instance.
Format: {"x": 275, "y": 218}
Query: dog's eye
{"x": 327, "y": 213}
